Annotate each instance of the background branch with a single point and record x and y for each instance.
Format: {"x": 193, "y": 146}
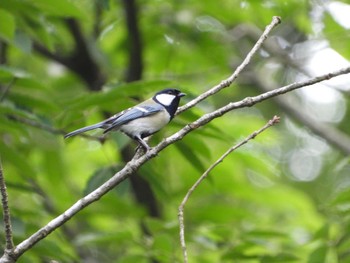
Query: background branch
{"x": 133, "y": 165}
{"x": 80, "y": 60}
{"x": 331, "y": 134}
{"x": 135, "y": 65}
{"x": 6, "y": 212}
{"x": 276, "y": 20}
{"x": 270, "y": 123}
{"x": 135, "y": 45}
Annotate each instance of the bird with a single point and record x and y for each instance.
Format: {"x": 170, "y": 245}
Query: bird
{"x": 141, "y": 120}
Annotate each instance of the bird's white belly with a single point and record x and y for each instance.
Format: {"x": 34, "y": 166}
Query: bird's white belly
{"x": 147, "y": 125}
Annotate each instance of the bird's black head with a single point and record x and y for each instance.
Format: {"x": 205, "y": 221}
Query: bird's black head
{"x": 170, "y": 99}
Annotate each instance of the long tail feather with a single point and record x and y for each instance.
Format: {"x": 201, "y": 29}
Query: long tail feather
{"x": 84, "y": 129}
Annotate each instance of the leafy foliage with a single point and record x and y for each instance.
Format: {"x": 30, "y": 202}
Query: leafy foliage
{"x": 255, "y": 206}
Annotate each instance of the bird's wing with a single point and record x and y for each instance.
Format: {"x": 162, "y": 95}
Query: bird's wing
{"x": 133, "y": 113}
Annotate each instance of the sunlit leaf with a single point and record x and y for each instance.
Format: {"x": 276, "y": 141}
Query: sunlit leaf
{"x": 100, "y": 177}
{"x": 7, "y": 25}
{"x": 318, "y": 255}
{"x": 58, "y": 8}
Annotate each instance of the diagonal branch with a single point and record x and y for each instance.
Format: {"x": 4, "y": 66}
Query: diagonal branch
{"x": 138, "y": 161}
{"x": 276, "y": 20}
{"x": 6, "y": 213}
{"x": 331, "y": 134}
{"x": 270, "y": 123}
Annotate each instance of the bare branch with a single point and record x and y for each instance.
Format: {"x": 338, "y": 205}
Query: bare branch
{"x": 270, "y": 123}
{"x": 247, "y": 102}
{"x": 80, "y": 60}
{"x": 332, "y": 135}
{"x": 138, "y": 161}
{"x": 135, "y": 63}
{"x": 6, "y": 213}
{"x": 227, "y": 82}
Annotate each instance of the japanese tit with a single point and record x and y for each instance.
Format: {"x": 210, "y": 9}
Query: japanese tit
{"x": 142, "y": 120}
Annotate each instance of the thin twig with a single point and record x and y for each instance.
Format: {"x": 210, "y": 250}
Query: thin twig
{"x": 276, "y": 20}
{"x": 224, "y": 84}
{"x": 270, "y": 123}
{"x": 247, "y": 102}
{"x": 138, "y": 161}
{"x": 331, "y": 134}
{"x": 6, "y": 213}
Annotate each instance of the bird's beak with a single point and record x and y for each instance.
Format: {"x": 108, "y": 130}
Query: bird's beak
{"x": 181, "y": 94}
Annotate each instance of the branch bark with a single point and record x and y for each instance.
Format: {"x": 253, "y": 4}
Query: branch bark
{"x": 270, "y": 123}
{"x": 276, "y": 20}
{"x": 332, "y": 135}
{"x": 133, "y": 165}
{"x": 6, "y": 214}
{"x": 137, "y": 161}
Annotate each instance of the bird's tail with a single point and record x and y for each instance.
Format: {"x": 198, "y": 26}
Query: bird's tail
{"x": 84, "y": 129}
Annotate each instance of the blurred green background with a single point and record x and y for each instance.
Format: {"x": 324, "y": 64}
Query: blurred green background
{"x": 284, "y": 197}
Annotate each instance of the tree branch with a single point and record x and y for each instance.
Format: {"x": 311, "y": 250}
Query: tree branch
{"x": 81, "y": 60}
{"x": 135, "y": 66}
{"x": 6, "y": 213}
{"x": 270, "y": 123}
{"x": 42, "y": 50}
{"x": 332, "y": 135}
{"x": 138, "y": 161}
{"x": 276, "y": 20}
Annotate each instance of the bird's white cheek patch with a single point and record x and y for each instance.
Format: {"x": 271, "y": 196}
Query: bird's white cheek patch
{"x": 165, "y": 99}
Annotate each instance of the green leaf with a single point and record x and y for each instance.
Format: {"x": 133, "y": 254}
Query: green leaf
{"x": 191, "y": 156}
{"x": 18, "y": 160}
{"x": 151, "y": 174}
{"x": 336, "y": 35}
{"x": 101, "y": 176}
{"x": 318, "y": 255}
{"x": 34, "y": 101}
{"x": 7, "y": 72}
{"x": 116, "y": 97}
{"x": 266, "y": 234}
{"x": 281, "y": 257}
{"x": 63, "y": 8}
{"x": 7, "y": 25}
